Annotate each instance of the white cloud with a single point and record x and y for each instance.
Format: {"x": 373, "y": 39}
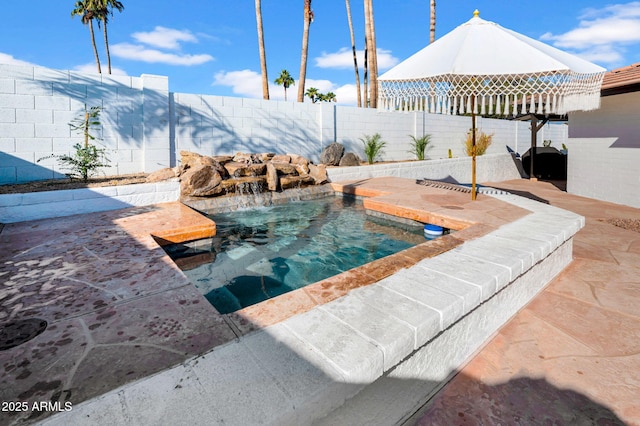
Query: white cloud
{"x": 165, "y": 38}
{"x": 141, "y": 53}
{"x": 343, "y": 59}
{"x": 91, "y": 68}
{"x": 602, "y": 33}
{"x": 9, "y": 59}
{"x": 245, "y": 82}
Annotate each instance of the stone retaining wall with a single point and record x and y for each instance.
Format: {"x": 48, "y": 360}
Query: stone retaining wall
{"x": 47, "y": 204}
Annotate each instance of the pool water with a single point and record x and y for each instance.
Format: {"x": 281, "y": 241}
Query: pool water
{"x": 262, "y": 253}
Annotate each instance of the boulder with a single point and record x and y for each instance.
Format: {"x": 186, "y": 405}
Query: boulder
{"x": 332, "y": 154}
{"x": 190, "y": 160}
{"x": 285, "y": 168}
{"x": 281, "y": 158}
{"x": 242, "y": 157}
{"x": 201, "y": 181}
{"x": 222, "y": 159}
{"x": 273, "y": 182}
{"x": 302, "y": 169}
{"x": 298, "y": 159}
{"x": 349, "y": 159}
{"x": 318, "y": 173}
{"x": 163, "y": 174}
{"x": 288, "y": 182}
{"x": 237, "y": 169}
{"x": 265, "y": 156}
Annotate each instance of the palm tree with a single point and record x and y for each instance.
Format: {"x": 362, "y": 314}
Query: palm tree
{"x": 313, "y": 94}
{"x": 308, "y": 19}
{"x": 263, "y": 55}
{"x": 86, "y": 10}
{"x": 329, "y": 97}
{"x": 370, "y": 35}
{"x": 285, "y": 79}
{"x": 104, "y": 9}
{"x": 355, "y": 57}
{"x": 432, "y": 24}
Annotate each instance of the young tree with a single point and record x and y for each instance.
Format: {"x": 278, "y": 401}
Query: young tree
{"x": 86, "y": 10}
{"x": 355, "y": 57}
{"x": 263, "y": 54}
{"x": 308, "y": 19}
{"x": 104, "y": 9}
{"x": 285, "y": 79}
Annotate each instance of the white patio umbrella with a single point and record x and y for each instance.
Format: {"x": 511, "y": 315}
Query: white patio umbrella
{"x": 483, "y": 68}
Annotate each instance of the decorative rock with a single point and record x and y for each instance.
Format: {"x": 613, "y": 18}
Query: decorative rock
{"x": 280, "y": 158}
{"x": 266, "y": 156}
{"x": 285, "y": 168}
{"x": 318, "y": 173}
{"x": 272, "y": 177}
{"x": 201, "y": 181}
{"x": 238, "y": 169}
{"x": 244, "y": 185}
{"x": 288, "y": 182}
{"x": 332, "y": 154}
{"x": 191, "y": 160}
{"x": 349, "y": 159}
{"x": 241, "y": 157}
{"x": 222, "y": 159}
{"x": 244, "y": 173}
{"x": 162, "y": 174}
{"x": 303, "y": 169}
{"x": 298, "y": 159}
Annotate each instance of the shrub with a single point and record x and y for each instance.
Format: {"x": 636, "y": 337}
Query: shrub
{"x": 419, "y": 146}
{"x": 483, "y": 142}
{"x": 88, "y": 158}
{"x": 373, "y": 146}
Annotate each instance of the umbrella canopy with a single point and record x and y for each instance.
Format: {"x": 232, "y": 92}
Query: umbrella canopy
{"x": 507, "y": 72}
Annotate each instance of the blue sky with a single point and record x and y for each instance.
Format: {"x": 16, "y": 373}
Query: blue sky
{"x": 210, "y": 46}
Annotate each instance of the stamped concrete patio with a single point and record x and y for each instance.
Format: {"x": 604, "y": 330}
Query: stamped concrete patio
{"x": 572, "y": 356}
{"x": 119, "y": 310}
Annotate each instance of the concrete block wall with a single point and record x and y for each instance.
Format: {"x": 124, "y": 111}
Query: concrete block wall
{"x": 490, "y": 167}
{"x": 144, "y": 126}
{"x": 604, "y": 151}
{"x": 217, "y": 125}
{"x": 37, "y": 104}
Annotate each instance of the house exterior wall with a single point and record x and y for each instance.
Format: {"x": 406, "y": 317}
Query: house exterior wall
{"x": 604, "y": 151}
{"x": 144, "y": 126}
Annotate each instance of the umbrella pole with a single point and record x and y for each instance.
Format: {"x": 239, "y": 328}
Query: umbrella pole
{"x": 473, "y": 148}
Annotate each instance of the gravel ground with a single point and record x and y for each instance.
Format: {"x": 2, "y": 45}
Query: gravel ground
{"x": 58, "y": 184}
{"x": 628, "y": 224}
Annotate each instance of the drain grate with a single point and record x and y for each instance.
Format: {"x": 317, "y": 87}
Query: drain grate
{"x": 18, "y": 332}
{"x": 461, "y": 188}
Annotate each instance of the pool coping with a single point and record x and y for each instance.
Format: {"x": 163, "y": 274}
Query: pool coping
{"x": 336, "y": 350}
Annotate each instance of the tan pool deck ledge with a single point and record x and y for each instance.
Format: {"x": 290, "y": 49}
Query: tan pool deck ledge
{"x": 131, "y": 341}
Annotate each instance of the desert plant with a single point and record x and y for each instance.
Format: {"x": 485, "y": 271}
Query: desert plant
{"x": 373, "y": 145}
{"x": 87, "y": 158}
{"x": 419, "y": 146}
{"x": 483, "y": 142}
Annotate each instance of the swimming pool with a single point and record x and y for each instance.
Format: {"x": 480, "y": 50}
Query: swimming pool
{"x": 264, "y": 252}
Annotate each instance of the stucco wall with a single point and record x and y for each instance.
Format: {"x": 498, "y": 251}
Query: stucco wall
{"x": 144, "y": 126}
{"x": 604, "y": 151}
